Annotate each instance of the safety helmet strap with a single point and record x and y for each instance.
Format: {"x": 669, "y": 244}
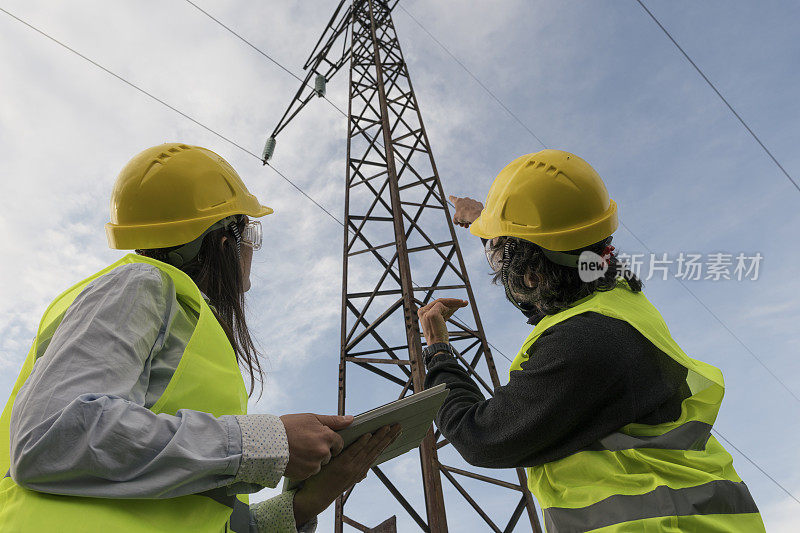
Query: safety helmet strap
{"x": 508, "y": 254}
{"x": 188, "y": 252}
{"x": 560, "y": 258}
{"x": 565, "y": 259}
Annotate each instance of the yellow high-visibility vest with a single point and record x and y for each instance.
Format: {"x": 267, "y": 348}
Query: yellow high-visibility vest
{"x": 207, "y": 379}
{"x": 670, "y": 477}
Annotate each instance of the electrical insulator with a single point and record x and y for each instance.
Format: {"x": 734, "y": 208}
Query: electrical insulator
{"x": 269, "y": 149}
{"x": 319, "y": 85}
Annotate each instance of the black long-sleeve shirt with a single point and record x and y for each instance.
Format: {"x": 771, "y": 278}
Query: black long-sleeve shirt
{"x": 585, "y": 378}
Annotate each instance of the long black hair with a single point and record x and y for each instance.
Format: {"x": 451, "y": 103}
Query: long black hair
{"x": 554, "y": 287}
{"x": 217, "y": 271}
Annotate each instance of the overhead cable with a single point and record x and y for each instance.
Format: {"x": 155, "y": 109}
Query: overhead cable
{"x": 724, "y": 100}
{"x": 260, "y": 51}
{"x": 716, "y": 317}
{"x": 694, "y": 295}
{"x": 474, "y": 77}
{"x": 196, "y": 122}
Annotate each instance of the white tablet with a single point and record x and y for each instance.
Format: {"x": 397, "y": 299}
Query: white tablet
{"x": 414, "y": 413}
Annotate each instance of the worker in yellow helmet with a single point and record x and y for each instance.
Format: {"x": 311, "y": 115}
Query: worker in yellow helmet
{"x": 130, "y": 412}
{"x": 611, "y": 417}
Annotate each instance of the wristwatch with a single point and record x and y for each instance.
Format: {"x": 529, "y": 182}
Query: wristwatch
{"x": 438, "y": 347}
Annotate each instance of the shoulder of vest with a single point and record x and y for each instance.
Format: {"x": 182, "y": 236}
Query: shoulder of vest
{"x": 184, "y": 284}
{"x": 142, "y": 276}
{"x": 130, "y": 269}
{"x": 600, "y": 302}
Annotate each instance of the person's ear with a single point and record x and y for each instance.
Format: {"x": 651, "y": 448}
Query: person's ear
{"x": 222, "y": 242}
{"x": 529, "y": 279}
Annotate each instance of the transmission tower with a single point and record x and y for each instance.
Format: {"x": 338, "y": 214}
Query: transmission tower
{"x": 400, "y": 253}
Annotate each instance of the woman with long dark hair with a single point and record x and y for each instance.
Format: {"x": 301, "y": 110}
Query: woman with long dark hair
{"x": 130, "y": 411}
{"x": 611, "y": 417}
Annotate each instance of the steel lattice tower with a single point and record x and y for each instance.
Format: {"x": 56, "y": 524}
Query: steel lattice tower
{"x": 400, "y": 250}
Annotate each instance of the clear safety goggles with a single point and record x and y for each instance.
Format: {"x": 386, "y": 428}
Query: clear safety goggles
{"x": 494, "y": 257}
{"x": 251, "y": 234}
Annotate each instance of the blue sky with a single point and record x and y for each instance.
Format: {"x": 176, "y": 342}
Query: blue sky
{"x": 596, "y": 78}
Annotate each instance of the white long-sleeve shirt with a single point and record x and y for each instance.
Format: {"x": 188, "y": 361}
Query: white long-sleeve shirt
{"x": 81, "y": 423}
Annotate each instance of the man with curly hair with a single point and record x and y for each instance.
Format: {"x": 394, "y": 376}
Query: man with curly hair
{"x": 610, "y": 416}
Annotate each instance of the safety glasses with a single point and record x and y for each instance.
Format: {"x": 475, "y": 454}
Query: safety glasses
{"x": 494, "y": 257}
{"x": 251, "y": 234}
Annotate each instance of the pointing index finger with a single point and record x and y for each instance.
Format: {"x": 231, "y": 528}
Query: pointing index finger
{"x": 452, "y": 302}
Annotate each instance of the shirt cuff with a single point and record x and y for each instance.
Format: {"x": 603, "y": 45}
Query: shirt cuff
{"x": 440, "y": 357}
{"x": 276, "y": 515}
{"x": 265, "y": 450}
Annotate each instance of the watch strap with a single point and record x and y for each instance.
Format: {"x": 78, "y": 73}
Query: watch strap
{"x": 438, "y": 347}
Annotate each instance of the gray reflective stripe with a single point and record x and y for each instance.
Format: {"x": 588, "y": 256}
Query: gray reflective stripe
{"x": 240, "y": 518}
{"x": 239, "y": 521}
{"x": 716, "y": 497}
{"x": 220, "y": 495}
{"x": 692, "y": 435}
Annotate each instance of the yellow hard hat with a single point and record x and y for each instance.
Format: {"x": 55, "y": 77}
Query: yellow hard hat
{"x": 552, "y": 198}
{"x": 170, "y": 194}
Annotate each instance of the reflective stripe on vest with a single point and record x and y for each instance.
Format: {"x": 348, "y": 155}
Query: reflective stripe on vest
{"x": 716, "y": 497}
{"x": 674, "y": 476}
{"x": 240, "y": 516}
{"x": 207, "y": 379}
{"x": 239, "y": 521}
{"x": 692, "y": 435}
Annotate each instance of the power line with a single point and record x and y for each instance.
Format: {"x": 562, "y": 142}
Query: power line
{"x": 285, "y": 69}
{"x": 517, "y": 119}
{"x": 195, "y": 121}
{"x": 641, "y": 242}
{"x": 260, "y": 51}
{"x": 123, "y": 80}
{"x": 473, "y": 76}
{"x": 730, "y": 107}
{"x": 212, "y": 17}
{"x": 755, "y": 464}
{"x": 166, "y": 104}
{"x": 721, "y": 323}
{"x": 725, "y": 326}
{"x": 281, "y": 174}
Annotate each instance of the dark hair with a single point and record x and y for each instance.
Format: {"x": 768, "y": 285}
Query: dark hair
{"x": 217, "y": 271}
{"x": 555, "y": 287}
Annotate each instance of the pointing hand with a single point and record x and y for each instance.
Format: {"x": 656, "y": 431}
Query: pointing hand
{"x": 433, "y": 318}
{"x": 467, "y": 210}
